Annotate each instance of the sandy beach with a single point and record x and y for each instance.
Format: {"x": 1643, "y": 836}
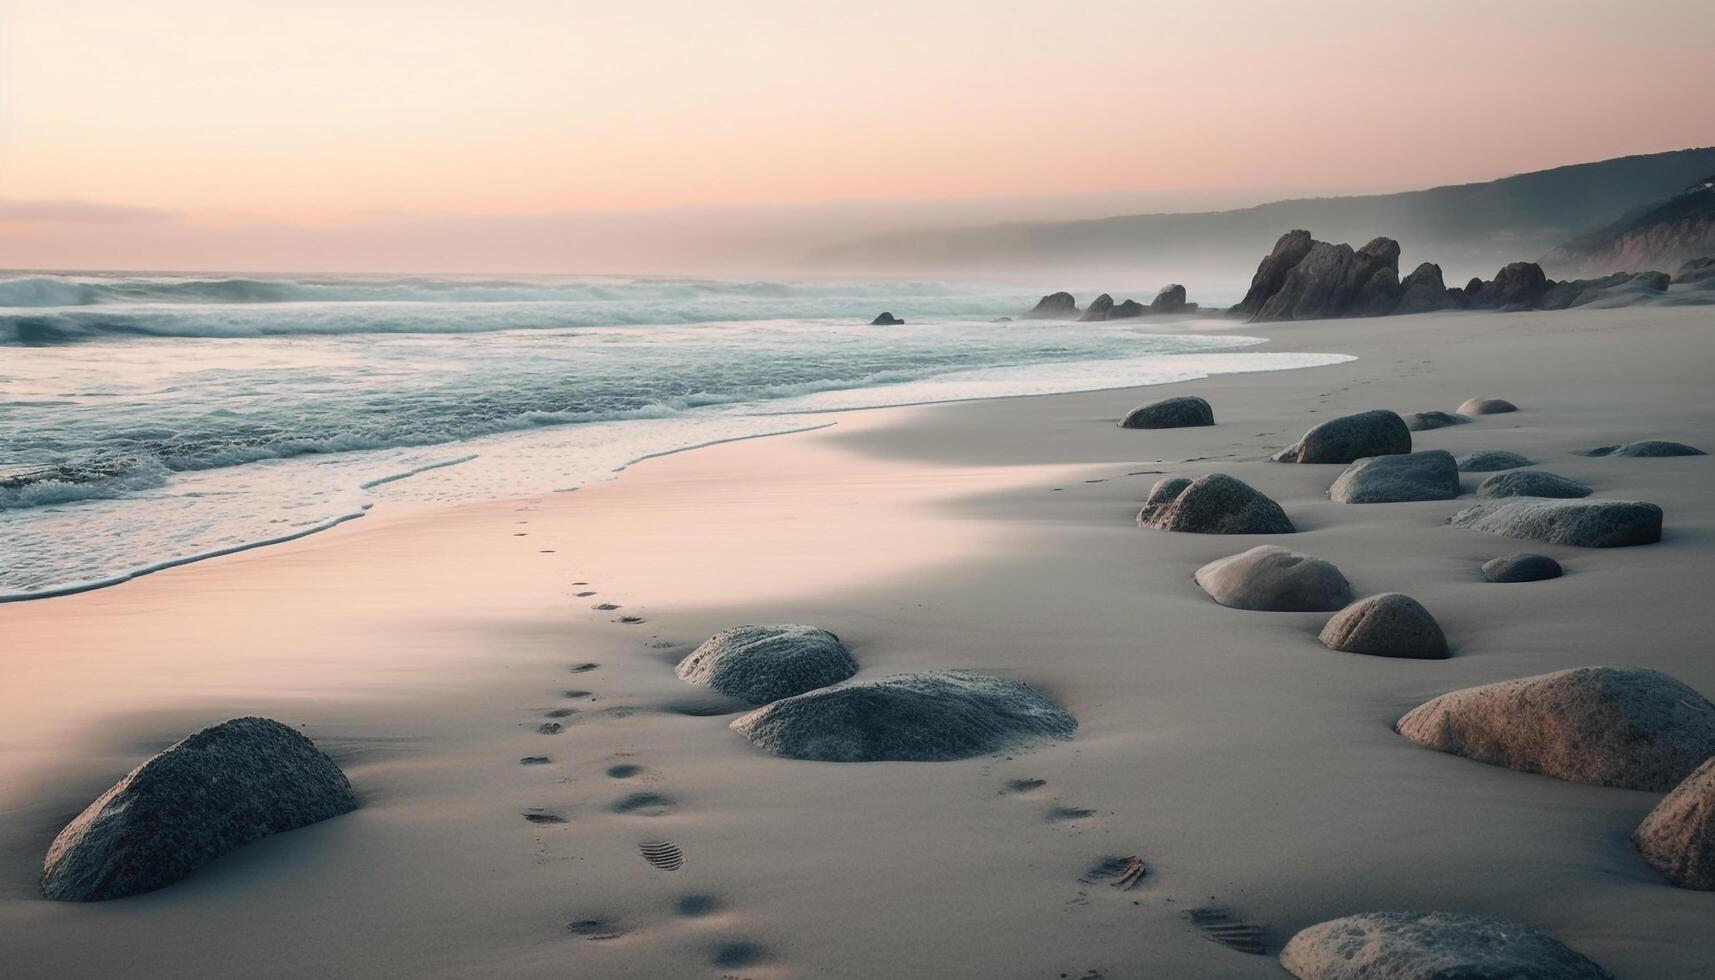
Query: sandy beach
{"x": 1251, "y": 769}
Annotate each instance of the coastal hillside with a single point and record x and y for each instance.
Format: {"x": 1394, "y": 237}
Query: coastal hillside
{"x": 1470, "y": 228}
{"x": 1664, "y": 235}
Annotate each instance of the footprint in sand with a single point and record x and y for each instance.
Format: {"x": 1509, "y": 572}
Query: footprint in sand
{"x": 1022, "y": 787}
{"x": 642, "y": 805}
{"x": 605, "y": 606}
{"x": 736, "y": 954}
{"x": 534, "y": 760}
{"x": 1074, "y": 818}
{"x": 585, "y": 595}
{"x": 663, "y": 854}
{"x": 1222, "y": 925}
{"x": 550, "y": 728}
{"x": 594, "y": 930}
{"x": 540, "y": 815}
{"x": 630, "y": 620}
{"x": 560, "y": 713}
{"x": 1122, "y": 872}
{"x": 575, "y": 694}
{"x": 696, "y": 906}
{"x": 623, "y": 771}
{"x": 582, "y": 668}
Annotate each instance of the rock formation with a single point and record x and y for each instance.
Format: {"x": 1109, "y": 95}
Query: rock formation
{"x": 1423, "y": 291}
{"x": 1170, "y": 413}
{"x": 1620, "y": 285}
{"x": 1099, "y": 308}
{"x": 1213, "y": 504}
{"x": 1055, "y": 306}
{"x": 1304, "y": 279}
{"x": 886, "y": 320}
{"x": 1675, "y": 230}
{"x": 1171, "y": 299}
{"x": 1271, "y": 578}
{"x": 759, "y": 664}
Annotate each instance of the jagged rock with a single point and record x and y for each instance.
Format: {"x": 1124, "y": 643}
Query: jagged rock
{"x": 1629, "y": 727}
{"x": 1424, "y": 421}
{"x": 1216, "y": 504}
{"x": 1127, "y": 310}
{"x": 1696, "y": 270}
{"x": 1432, "y": 946}
{"x": 1098, "y": 309}
{"x": 1486, "y": 406}
{"x": 1424, "y": 291}
{"x": 1349, "y": 438}
{"x": 886, "y": 320}
{"x": 1391, "y": 624}
{"x": 1518, "y": 286}
{"x": 1531, "y": 483}
{"x": 1271, "y": 273}
{"x": 1055, "y": 306}
{"x": 1428, "y": 475}
{"x": 1523, "y": 567}
{"x": 1660, "y": 236}
{"x": 1332, "y": 281}
{"x": 201, "y": 797}
{"x": 1678, "y": 836}
{"x": 759, "y": 664}
{"x": 1583, "y": 523}
{"x": 1272, "y": 578}
{"x": 927, "y": 717}
{"x": 1582, "y": 292}
{"x": 1648, "y": 448}
{"x": 1171, "y": 299}
{"x": 1170, "y": 413}
{"x": 1490, "y": 461}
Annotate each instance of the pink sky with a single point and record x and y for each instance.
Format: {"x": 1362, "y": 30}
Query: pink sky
{"x": 284, "y": 124}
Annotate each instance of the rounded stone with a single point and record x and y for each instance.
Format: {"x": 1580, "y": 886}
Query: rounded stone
{"x": 1531, "y": 483}
{"x": 1678, "y": 836}
{"x": 1428, "y": 475}
{"x": 1170, "y": 413}
{"x": 1583, "y": 523}
{"x": 1523, "y": 567}
{"x": 1649, "y": 448}
{"x": 1424, "y": 421}
{"x": 1490, "y": 461}
{"x": 759, "y": 664}
{"x": 1391, "y": 624}
{"x": 1212, "y": 504}
{"x": 1486, "y": 406}
{"x": 1271, "y": 578}
{"x": 1432, "y": 946}
{"x": 1350, "y": 437}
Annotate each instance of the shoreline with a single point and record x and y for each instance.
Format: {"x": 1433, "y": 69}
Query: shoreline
{"x": 1248, "y": 767}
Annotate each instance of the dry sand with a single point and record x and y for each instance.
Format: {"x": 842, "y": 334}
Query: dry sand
{"x": 1248, "y": 766}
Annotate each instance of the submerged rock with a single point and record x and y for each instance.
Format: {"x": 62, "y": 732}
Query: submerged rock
{"x": 1271, "y": 578}
{"x": 759, "y": 664}
{"x": 213, "y": 791}
{"x": 1350, "y": 437}
{"x": 1486, "y": 406}
{"x": 1215, "y": 504}
{"x": 1424, "y": 421}
{"x": 1524, "y": 567}
{"x": 1531, "y": 483}
{"x": 1646, "y": 449}
{"x": 1432, "y": 946}
{"x": 1170, "y": 413}
{"x": 1055, "y": 306}
{"x": 886, "y": 320}
{"x": 1583, "y": 523}
{"x": 1629, "y": 727}
{"x": 1428, "y": 475}
{"x": 1490, "y": 461}
{"x": 1678, "y": 836}
{"x": 927, "y": 717}
{"x": 1391, "y": 624}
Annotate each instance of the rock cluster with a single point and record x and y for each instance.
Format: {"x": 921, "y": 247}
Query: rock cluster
{"x": 1055, "y": 306}
{"x": 1212, "y": 504}
{"x": 1170, "y": 300}
{"x": 759, "y": 664}
{"x": 1170, "y": 413}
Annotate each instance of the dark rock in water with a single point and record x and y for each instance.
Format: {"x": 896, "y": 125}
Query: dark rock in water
{"x": 1271, "y": 578}
{"x": 1581, "y": 292}
{"x": 927, "y": 717}
{"x": 1696, "y": 270}
{"x": 1171, "y": 299}
{"x": 1428, "y": 475}
{"x": 1055, "y": 306}
{"x": 1216, "y": 504}
{"x": 1165, "y": 490}
{"x": 1424, "y": 421}
{"x": 1329, "y": 281}
{"x": 219, "y": 789}
{"x": 1531, "y": 483}
{"x": 1490, "y": 461}
{"x": 1647, "y": 448}
{"x": 1387, "y": 625}
{"x": 1518, "y": 286}
{"x": 1130, "y": 309}
{"x": 1678, "y": 836}
{"x": 1583, "y": 523}
{"x": 1629, "y": 727}
{"x": 1486, "y": 406}
{"x": 1424, "y": 291}
{"x": 886, "y": 320}
{"x": 1099, "y": 308}
{"x": 1349, "y": 438}
{"x": 759, "y": 664}
{"x": 1432, "y": 946}
{"x": 1170, "y": 413}
{"x": 1523, "y": 567}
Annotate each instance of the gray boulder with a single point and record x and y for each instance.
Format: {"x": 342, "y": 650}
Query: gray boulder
{"x": 1583, "y": 523}
{"x": 1166, "y": 489}
{"x": 1629, "y": 727}
{"x": 927, "y": 717}
{"x": 1647, "y": 449}
{"x": 1428, "y": 475}
{"x": 1424, "y": 421}
{"x": 1055, "y": 306}
{"x": 1432, "y": 946}
{"x": 1491, "y": 460}
{"x": 1215, "y": 504}
{"x": 1171, "y": 299}
{"x": 1678, "y": 836}
{"x": 1350, "y": 437}
{"x": 213, "y": 791}
{"x": 1271, "y": 273}
{"x": 1271, "y": 578}
{"x": 1524, "y": 567}
{"x": 1387, "y": 625}
{"x": 1423, "y": 291}
{"x": 1486, "y": 406}
{"x": 886, "y": 320}
{"x": 1170, "y": 413}
{"x": 759, "y": 664}
{"x": 1518, "y": 286}
{"x": 1130, "y": 309}
{"x": 1099, "y": 308}
{"x": 1531, "y": 483}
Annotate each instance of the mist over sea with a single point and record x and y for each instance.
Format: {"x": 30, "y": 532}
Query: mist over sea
{"x": 146, "y": 420}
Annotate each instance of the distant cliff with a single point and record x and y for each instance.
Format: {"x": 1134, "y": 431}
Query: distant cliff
{"x": 1665, "y": 235}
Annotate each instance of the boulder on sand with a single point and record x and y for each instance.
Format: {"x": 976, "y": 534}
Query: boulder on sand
{"x": 886, "y": 320}
{"x": 1486, "y": 406}
{"x": 1629, "y": 727}
{"x": 1350, "y": 437}
{"x": 1305, "y": 279}
{"x": 1214, "y": 504}
{"x": 1490, "y": 461}
{"x": 1678, "y": 836}
{"x": 1531, "y": 483}
{"x": 1271, "y": 578}
{"x": 1055, "y": 306}
{"x": 1428, "y": 475}
{"x": 1432, "y": 946}
{"x": 1391, "y": 624}
{"x": 1170, "y": 413}
{"x": 1647, "y": 449}
{"x": 206, "y": 794}
{"x": 759, "y": 664}
{"x": 927, "y": 717}
{"x": 1523, "y": 567}
{"x": 1424, "y": 421}
{"x": 1582, "y": 523}
{"x": 1099, "y": 308}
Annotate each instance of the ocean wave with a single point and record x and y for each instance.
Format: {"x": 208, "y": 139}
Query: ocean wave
{"x": 91, "y": 478}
